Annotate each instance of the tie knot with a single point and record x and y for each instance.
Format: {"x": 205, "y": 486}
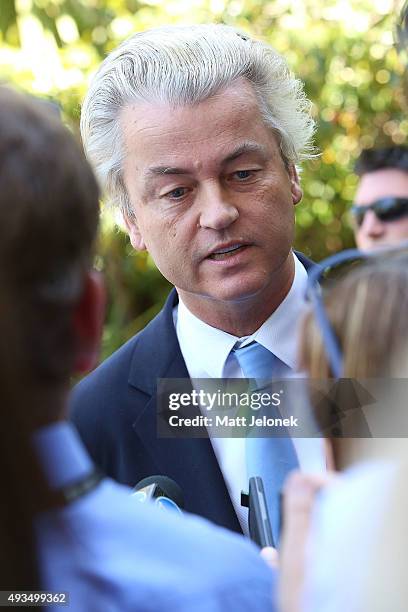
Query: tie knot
{"x": 256, "y": 361}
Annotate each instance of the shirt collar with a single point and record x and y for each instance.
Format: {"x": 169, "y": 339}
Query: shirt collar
{"x": 278, "y": 333}
{"x": 210, "y": 345}
{"x": 61, "y": 453}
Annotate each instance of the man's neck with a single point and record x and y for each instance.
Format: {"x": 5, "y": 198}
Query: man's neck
{"x": 242, "y": 317}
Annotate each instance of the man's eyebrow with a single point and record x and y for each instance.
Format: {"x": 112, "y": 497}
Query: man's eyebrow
{"x": 163, "y": 170}
{"x": 246, "y": 147}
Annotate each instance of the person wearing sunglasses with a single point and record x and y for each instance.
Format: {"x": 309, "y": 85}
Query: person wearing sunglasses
{"x": 380, "y": 210}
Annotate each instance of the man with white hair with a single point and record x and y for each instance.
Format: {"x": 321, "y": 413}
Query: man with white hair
{"x": 195, "y": 133}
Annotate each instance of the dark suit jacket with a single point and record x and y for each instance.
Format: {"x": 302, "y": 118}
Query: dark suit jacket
{"x": 114, "y": 409}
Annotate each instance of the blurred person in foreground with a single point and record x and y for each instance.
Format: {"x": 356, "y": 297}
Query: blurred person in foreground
{"x": 336, "y": 541}
{"x": 195, "y": 133}
{"x": 380, "y": 209}
{"x": 62, "y": 526}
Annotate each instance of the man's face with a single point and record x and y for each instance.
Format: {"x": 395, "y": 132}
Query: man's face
{"x": 212, "y": 197}
{"x": 387, "y": 182}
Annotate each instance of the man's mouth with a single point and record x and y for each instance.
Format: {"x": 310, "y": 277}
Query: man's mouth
{"x": 226, "y": 252}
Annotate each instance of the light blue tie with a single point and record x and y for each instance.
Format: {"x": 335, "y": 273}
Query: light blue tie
{"x": 270, "y": 458}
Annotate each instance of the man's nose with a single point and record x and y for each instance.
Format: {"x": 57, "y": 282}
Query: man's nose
{"x": 372, "y": 226}
{"x": 217, "y": 210}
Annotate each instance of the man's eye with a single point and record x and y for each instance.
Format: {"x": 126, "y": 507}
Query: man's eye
{"x": 176, "y": 194}
{"x": 241, "y": 175}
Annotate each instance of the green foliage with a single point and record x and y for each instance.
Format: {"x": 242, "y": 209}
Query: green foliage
{"x": 343, "y": 50}
{"x": 136, "y": 289}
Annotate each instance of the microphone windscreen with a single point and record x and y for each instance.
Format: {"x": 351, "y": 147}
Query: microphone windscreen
{"x": 169, "y": 488}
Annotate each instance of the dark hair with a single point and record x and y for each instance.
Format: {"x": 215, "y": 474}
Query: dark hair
{"x": 377, "y": 159}
{"x": 48, "y": 222}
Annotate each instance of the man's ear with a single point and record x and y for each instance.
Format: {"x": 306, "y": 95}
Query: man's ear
{"x": 88, "y": 321}
{"x": 295, "y": 187}
{"x": 133, "y": 230}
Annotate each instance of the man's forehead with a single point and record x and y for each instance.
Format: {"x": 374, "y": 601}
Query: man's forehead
{"x": 227, "y": 109}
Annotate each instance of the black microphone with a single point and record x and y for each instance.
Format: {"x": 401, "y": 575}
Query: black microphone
{"x": 260, "y": 530}
{"x": 164, "y": 492}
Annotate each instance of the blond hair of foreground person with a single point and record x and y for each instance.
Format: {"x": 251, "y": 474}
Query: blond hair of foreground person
{"x": 343, "y": 542}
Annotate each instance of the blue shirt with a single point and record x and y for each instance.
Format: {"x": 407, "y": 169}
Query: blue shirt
{"x": 113, "y": 553}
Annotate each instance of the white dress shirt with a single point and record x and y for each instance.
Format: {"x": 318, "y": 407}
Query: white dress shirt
{"x": 207, "y": 354}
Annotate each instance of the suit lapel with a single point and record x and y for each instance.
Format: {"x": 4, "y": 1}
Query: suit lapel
{"x": 191, "y": 462}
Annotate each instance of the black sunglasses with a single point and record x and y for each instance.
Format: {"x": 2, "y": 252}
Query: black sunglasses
{"x": 386, "y": 209}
